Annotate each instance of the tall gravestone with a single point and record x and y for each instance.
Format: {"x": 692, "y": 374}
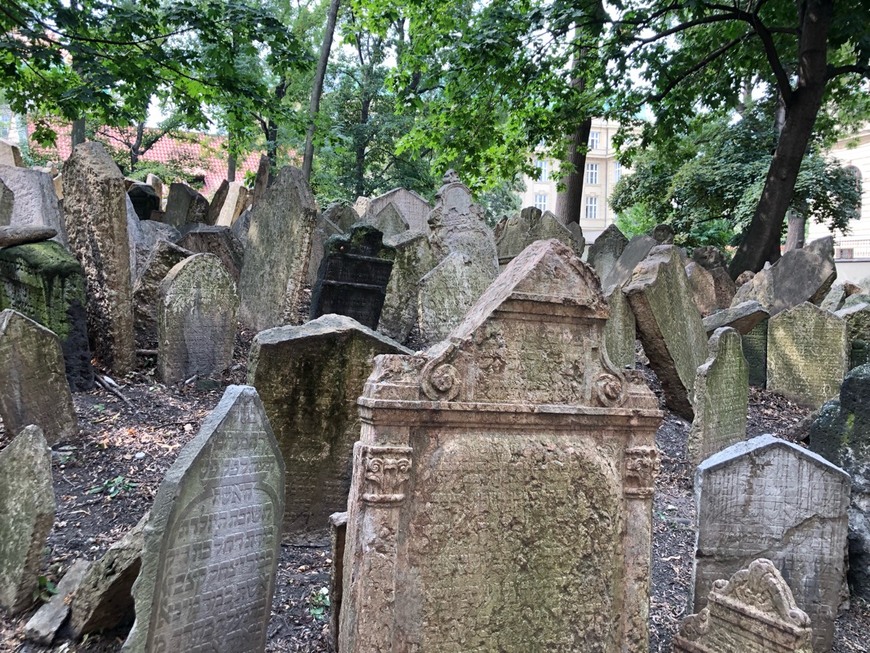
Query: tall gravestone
{"x": 213, "y": 539}
{"x": 309, "y": 378}
{"x": 235, "y": 202}
{"x": 197, "y": 310}
{"x": 768, "y": 497}
{"x": 755, "y": 350}
{"x": 33, "y": 386}
{"x": 807, "y": 354}
{"x": 721, "y": 397}
{"x": 858, "y": 329}
{"x": 413, "y": 260}
{"x": 413, "y": 209}
{"x": 27, "y": 509}
{"x": 184, "y": 205}
{"x": 95, "y": 206}
{"x": 146, "y": 291}
{"x": 459, "y": 534}
{"x": 277, "y": 252}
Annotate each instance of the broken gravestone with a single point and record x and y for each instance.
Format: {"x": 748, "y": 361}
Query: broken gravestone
{"x": 35, "y": 203}
{"x": 45, "y": 623}
{"x": 213, "y": 539}
{"x": 220, "y": 241}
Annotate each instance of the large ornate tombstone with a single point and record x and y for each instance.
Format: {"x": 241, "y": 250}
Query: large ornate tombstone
{"x": 496, "y": 477}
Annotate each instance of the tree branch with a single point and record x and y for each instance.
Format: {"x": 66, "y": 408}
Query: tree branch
{"x": 834, "y": 71}
{"x": 710, "y": 58}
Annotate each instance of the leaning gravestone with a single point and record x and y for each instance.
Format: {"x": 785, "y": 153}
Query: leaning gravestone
{"x": 606, "y": 250}
{"x": 353, "y": 276}
{"x": 7, "y": 201}
{"x": 773, "y": 498}
{"x": 721, "y": 397}
{"x": 743, "y": 318}
{"x": 216, "y": 205}
{"x": 197, "y": 310}
{"x": 33, "y": 386}
{"x": 35, "y": 202}
{"x": 95, "y": 206}
{"x": 703, "y": 289}
{"x": 235, "y": 203}
{"x": 220, "y": 241}
{"x": 213, "y": 539}
{"x": 27, "y": 510}
{"x": 10, "y": 155}
{"x": 277, "y": 252}
{"x": 413, "y": 260}
{"x": 145, "y": 200}
{"x": 858, "y": 329}
{"x": 146, "y": 291}
{"x": 514, "y": 234}
{"x": 668, "y": 324}
{"x": 458, "y": 528}
{"x": 309, "y": 378}
{"x": 341, "y": 215}
{"x": 753, "y": 612}
{"x": 807, "y": 354}
{"x": 184, "y": 205}
{"x": 620, "y": 331}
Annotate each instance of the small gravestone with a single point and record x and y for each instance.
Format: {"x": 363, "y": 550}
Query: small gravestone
{"x": 235, "y": 203}
{"x": 723, "y": 286}
{"x": 213, "y": 539}
{"x": 7, "y": 204}
{"x": 35, "y": 203}
{"x": 755, "y": 351}
{"x": 514, "y": 234}
{"x": 807, "y": 354}
{"x": 323, "y": 230}
{"x": 773, "y": 498}
{"x": 606, "y": 250}
{"x": 33, "y": 386}
{"x": 838, "y": 294}
{"x": 709, "y": 257}
{"x": 413, "y": 260}
{"x": 721, "y": 397}
{"x": 703, "y": 289}
{"x": 309, "y": 378}
{"x": 858, "y": 329}
{"x": 145, "y": 200}
{"x": 342, "y": 215}
{"x": 216, "y": 205}
{"x": 668, "y": 324}
{"x": 743, "y": 318}
{"x": 413, "y": 209}
{"x": 353, "y": 276}
{"x": 663, "y": 233}
{"x": 262, "y": 181}
{"x": 95, "y": 209}
{"x": 753, "y": 612}
{"x": 220, "y": 241}
{"x": 43, "y": 625}
{"x": 10, "y": 155}
{"x": 146, "y": 291}
{"x": 157, "y": 184}
{"x": 184, "y": 205}
{"x": 197, "y": 310}
{"x": 27, "y": 510}
{"x": 389, "y": 221}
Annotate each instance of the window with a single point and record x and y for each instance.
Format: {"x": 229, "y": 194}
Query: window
{"x": 541, "y": 201}
{"x": 591, "y": 208}
{"x": 591, "y": 173}
{"x": 617, "y": 171}
{"x": 594, "y": 140}
{"x": 541, "y": 165}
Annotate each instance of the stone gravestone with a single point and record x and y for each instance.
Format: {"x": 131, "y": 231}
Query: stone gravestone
{"x": 342, "y": 215}
{"x": 145, "y": 200}
{"x": 773, "y": 498}
{"x": 858, "y": 329}
{"x": 220, "y": 241}
{"x": 309, "y": 378}
{"x": 27, "y": 510}
{"x": 743, "y": 318}
{"x": 413, "y": 209}
{"x": 277, "y": 252}
{"x": 216, "y": 205}
{"x": 414, "y": 259}
{"x": 458, "y": 525}
{"x": 33, "y": 386}
{"x": 389, "y": 221}
{"x": 213, "y": 539}
{"x": 10, "y": 155}
{"x": 236, "y": 200}
{"x": 807, "y": 350}
{"x": 7, "y": 204}
{"x": 514, "y": 234}
{"x": 353, "y": 276}
{"x": 95, "y": 206}
{"x": 841, "y": 433}
{"x": 35, "y": 202}
{"x": 146, "y": 291}
{"x": 606, "y": 250}
{"x": 668, "y": 324}
{"x": 184, "y": 205}
{"x": 703, "y": 289}
{"x": 753, "y": 612}
{"x": 197, "y": 310}
{"x": 755, "y": 351}
{"x": 721, "y": 397}
{"x": 324, "y": 228}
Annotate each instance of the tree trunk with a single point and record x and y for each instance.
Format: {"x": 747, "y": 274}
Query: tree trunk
{"x": 569, "y": 202}
{"x": 136, "y": 146}
{"x": 231, "y": 167}
{"x": 797, "y": 222}
{"x": 78, "y": 132}
{"x": 317, "y": 88}
{"x": 361, "y": 147}
{"x": 760, "y": 242}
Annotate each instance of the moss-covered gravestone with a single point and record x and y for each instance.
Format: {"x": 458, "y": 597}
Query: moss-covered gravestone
{"x": 414, "y": 259}
{"x": 45, "y": 282}
{"x": 27, "y": 510}
{"x": 858, "y": 328}
{"x": 213, "y": 539}
{"x": 755, "y": 351}
{"x": 146, "y": 290}
{"x": 309, "y": 378}
{"x": 196, "y": 319}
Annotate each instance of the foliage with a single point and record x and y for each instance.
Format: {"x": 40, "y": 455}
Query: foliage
{"x": 318, "y": 603}
{"x": 502, "y": 200}
{"x": 45, "y": 589}
{"x": 636, "y": 220}
{"x": 112, "y": 487}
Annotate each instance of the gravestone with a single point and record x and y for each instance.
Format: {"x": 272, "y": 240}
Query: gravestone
{"x": 807, "y": 354}
{"x": 7, "y": 201}
{"x": 606, "y": 250}
{"x": 145, "y": 200}
{"x": 703, "y": 288}
{"x": 262, "y": 181}
{"x": 216, "y": 205}
{"x": 668, "y": 324}
{"x": 413, "y": 260}
{"x": 353, "y": 276}
{"x": 45, "y": 282}
{"x": 514, "y": 234}
{"x": 388, "y": 220}
{"x": 770, "y": 497}
{"x": 197, "y": 310}
{"x": 710, "y": 257}
{"x": 220, "y": 241}
{"x": 146, "y": 291}
{"x": 838, "y": 294}
{"x": 458, "y": 528}
{"x": 35, "y": 202}
{"x": 324, "y": 229}
{"x": 213, "y": 539}
{"x": 184, "y": 205}
{"x": 95, "y": 206}
{"x": 753, "y": 612}
{"x": 663, "y": 233}
{"x": 144, "y": 236}
{"x": 157, "y": 184}
{"x": 27, "y": 510}
{"x": 841, "y": 433}
{"x": 235, "y": 203}
{"x": 743, "y": 318}
{"x": 33, "y": 386}
{"x": 858, "y": 329}
{"x": 277, "y": 253}
{"x": 724, "y": 287}
{"x": 620, "y": 332}
{"x": 755, "y": 351}
{"x": 342, "y": 215}
{"x": 10, "y": 155}
{"x": 44, "y": 624}
{"x": 413, "y": 209}
{"x": 634, "y": 252}
{"x": 721, "y": 397}
{"x": 309, "y": 378}
{"x": 13, "y": 236}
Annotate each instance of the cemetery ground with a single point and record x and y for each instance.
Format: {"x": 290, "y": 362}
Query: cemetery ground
{"x": 106, "y": 478}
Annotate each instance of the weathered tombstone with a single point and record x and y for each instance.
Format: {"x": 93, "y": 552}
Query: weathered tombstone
{"x": 144, "y": 236}
{"x": 769, "y": 497}
{"x": 755, "y": 351}
{"x": 338, "y": 536}
{"x": 45, "y": 282}
{"x": 13, "y": 236}
{"x": 753, "y": 612}
{"x": 801, "y": 275}
{"x": 514, "y": 234}
{"x": 668, "y": 324}
{"x": 241, "y": 225}
{"x": 35, "y": 203}
{"x": 27, "y": 510}
{"x": 620, "y": 332}
{"x": 277, "y": 253}
{"x": 213, "y": 539}
{"x": 721, "y": 397}
{"x": 33, "y": 386}
{"x": 858, "y": 329}
{"x": 634, "y": 252}
{"x": 807, "y": 354}
{"x": 838, "y": 294}
{"x": 458, "y": 528}
{"x": 742, "y": 317}
{"x": 196, "y": 319}
{"x": 389, "y": 221}
{"x": 157, "y": 184}
{"x": 235, "y": 203}
{"x": 606, "y": 250}
{"x": 342, "y": 215}
{"x": 703, "y": 288}
{"x": 413, "y": 209}
{"x": 95, "y": 206}
{"x": 841, "y": 433}
{"x": 145, "y": 200}
{"x": 184, "y": 205}
{"x": 262, "y": 181}
{"x": 309, "y": 378}
{"x": 663, "y": 233}
{"x": 146, "y": 291}
{"x": 709, "y": 257}
{"x": 220, "y": 241}
{"x": 216, "y": 205}
{"x": 323, "y": 230}
{"x": 724, "y": 287}
{"x": 10, "y": 155}
{"x": 44, "y": 624}
{"x": 414, "y": 259}
{"x": 7, "y": 204}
